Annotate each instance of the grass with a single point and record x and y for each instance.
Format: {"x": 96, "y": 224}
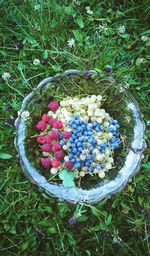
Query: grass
{"x": 32, "y": 223}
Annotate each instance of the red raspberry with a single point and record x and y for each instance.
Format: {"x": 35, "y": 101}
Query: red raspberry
{"x": 69, "y": 165}
{"x": 59, "y": 154}
{"x": 41, "y": 125}
{"x": 40, "y": 139}
{"x": 45, "y": 118}
{"x": 54, "y": 135}
{"x": 56, "y": 146}
{"x": 46, "y": 162}
{"x": 48, "y": 138}
{"x": 55, "y": 163}
{"x": 58, "y": 124}
{"x": 66, "y": 135}
{"x": 51, "y": 121}
{"x": 46, "y": 148}
{"x": 53, "y": 105}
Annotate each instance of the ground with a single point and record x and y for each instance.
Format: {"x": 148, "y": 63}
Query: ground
{"x": 40, "y": 39}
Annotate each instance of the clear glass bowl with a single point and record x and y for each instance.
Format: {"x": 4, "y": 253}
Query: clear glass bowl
{"x": 119, "y": 103}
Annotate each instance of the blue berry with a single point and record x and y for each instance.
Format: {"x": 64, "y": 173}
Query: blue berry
{"x": 62, "y": 142}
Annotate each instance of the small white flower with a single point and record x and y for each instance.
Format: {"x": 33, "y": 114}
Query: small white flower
{"x": 126, "y": 85}
{"x": 103, "y": 27}
{"x": 24, "y": 115}
{"x": 37, "y": 7}
{"x": 6, "y": 75}
{"x": 76, "y": 2}
{"x": 71, "y": 42}
{"x": 36, "y": 62}
{"x": 140, "y": 61}
{"x": 121, "y": 29}
{"x": 88, "y": 10}
{"x": 144, "y": 38}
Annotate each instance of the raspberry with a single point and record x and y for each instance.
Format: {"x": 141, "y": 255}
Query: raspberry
{"x": 46, "y": 162}
{"x": 40, "y": 139}
{"x": 56, "y": 146}
{"x": 59, "y": 154}
{"x": 53, "y": 105}
{"x": 54, "y": 135}
{"x": 55, "y": 163}
{"x": 45, "y": 118}
{"x": 69, "y": 165}
{"x": 51, "y": 121}
{"x": 46, "y": 148}
{"x": 58, "y": 124}
{"x": 66, "y": 135}
{"x": 41, "y": 125}
{"x": 48, "y": 138}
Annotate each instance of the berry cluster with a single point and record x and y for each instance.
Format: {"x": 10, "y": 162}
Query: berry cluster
{"x": 51, "y": 148}
{"x": 78, "y": 134}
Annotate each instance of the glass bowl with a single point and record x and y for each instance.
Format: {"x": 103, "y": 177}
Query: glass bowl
{"x": 119, "y": 103}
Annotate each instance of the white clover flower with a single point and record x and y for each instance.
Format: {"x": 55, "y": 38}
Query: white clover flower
{"x": 121, "y": 29}
{"x": 36, "y": 62}
{"x": 145, "y": 38}
{"x": 71, "y": 42}
{"x": 88, "y": 10}
{"x": 140, "y": 61}
{"x": 6, "y": 76}
{"x": 103, "y": 27}
{"x": 24, "y": 115}
{"x": 37, "y": 7}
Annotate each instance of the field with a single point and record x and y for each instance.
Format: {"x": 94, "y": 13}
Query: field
{"x": 39, "y": 39}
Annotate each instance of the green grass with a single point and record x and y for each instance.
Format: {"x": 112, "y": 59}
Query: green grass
{"x": 32, "y": 223}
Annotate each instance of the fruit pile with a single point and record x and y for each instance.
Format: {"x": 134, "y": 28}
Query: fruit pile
{"x": 78, "y": 135}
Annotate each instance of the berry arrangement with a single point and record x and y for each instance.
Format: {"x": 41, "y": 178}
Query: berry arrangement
{"x": 78, "y": 136}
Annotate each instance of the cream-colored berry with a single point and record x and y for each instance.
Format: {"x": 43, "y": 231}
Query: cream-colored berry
{"x": 101, "y": 174}
{"x": 108, "y": 166}
{"x": 82, "y": 174}
{"x": 100, "y": 157}
{"x": 53, "y": 170}
{"x": 66, "y": 158}
{"x": 82, "y": 157}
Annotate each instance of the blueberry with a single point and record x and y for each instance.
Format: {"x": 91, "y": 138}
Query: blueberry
{"x": 83, "y": 152}
{"x": 84, "y": 144}
{"x": 91, "y": 148}
{"x": 101, "y": 127}
{"x": 91, "y": 169}
{"x": 78, "y": 165}
{"x": 71, "y": 140}
{"x": 62, "y": 142}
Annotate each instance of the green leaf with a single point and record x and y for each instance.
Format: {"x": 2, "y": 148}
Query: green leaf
{"x": 108, "y": 221}
{"x": 5, "y": 156}
{"x": 52, "y": 230}
{"x": 79, "y": 21}
{"x": 45, "y": 54}
{"x": 95, "y": 228}
{"x": 78, "y": 36}
{"x": 146, "y": 166}
{"x": 67, "y": 178}
{"x": 25, "y": 245}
